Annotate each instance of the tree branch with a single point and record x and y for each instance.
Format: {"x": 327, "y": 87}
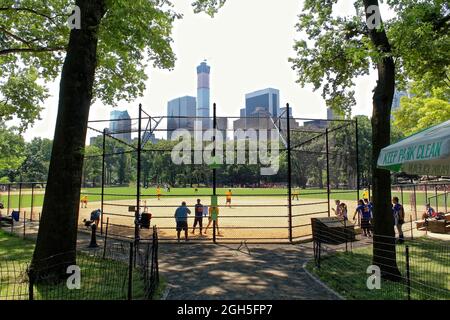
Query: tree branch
{"x": 16, "y": 37}
{"x": 32, "y": 50}
{"x": 28, "y": 10}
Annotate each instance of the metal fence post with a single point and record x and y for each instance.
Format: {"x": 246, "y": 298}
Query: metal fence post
{"x": 24, "y": 223}
{"x": 445, "y": 199}
{"x": 130, "y": 273}
{"x": 20, "y": 197}
{"x": 415, "y": 201}
{"x": 437, "y": 198}
{"x": 9, "y": 198}
{"x": 138, "y": 178}
{"x": 103, "y": 179}
{"x": 358, "y": 186}
{"x": 289, "y": 168}
{"x": 408, "y": 275}
{"x": 345, "y": 234}
{"x": 328, "y": 171}
{"x": 411, "y": 222}
{"x": 106, "y": 238}
{"x": 30, "y": 285}
{"x": 214, "y": 169}
{"x": 401, "y": 195}
{"x": 32, "y": 202}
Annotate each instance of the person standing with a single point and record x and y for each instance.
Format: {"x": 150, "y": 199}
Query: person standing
{"x": 337, "y": 211}
{"x": 399, "y": 218}
{"x": 158, "y": 192}
{"x": 363, "y": 211}
{"x": 198, "y": 217}
{"x": 213, "y": 216}
{"x": 84, "y": 201}
{"x": 344, "y": 211}
{"x": 228, "y": 196}
{"x": 181, "y": 217}
{"x": 295, "y": 194}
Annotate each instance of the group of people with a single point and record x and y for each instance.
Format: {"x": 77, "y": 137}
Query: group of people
{"x": 431, "y": 214}
{"x": 201, "y": 211}
{"x": 364, "y": 210}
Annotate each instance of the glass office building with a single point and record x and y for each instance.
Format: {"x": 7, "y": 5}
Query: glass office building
{"x": 181, "y": 113}
{"x": 267, "y": 99}
{"x": 120, "y": 125}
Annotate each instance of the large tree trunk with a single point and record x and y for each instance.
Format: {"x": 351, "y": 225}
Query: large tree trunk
{"x": 56, "y": 241}
{"x": 384, "y": 236}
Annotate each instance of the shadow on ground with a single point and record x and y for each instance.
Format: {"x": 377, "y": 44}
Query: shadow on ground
{"x": 220, "y": 272}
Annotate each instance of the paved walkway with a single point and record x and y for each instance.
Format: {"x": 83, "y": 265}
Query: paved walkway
{"x": 220, "y": 272}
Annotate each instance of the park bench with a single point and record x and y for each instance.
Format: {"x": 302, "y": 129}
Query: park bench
{"x": 9, "y": 220}
{"x": 437, "y": 226}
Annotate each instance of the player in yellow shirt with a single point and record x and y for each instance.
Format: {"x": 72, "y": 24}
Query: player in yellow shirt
{"x": 84, "y": 201}
{"x": 295, "y": 194}
{"x": 228, "y": 195}
{"x": 213, "y": 215}
{"x": 366, "y": 194}
{"x": 158, "y": 192}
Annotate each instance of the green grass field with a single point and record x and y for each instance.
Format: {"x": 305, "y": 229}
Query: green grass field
{"x": 345, "y": 272}
{"x": 124, "y": 193}
{"x": 100, "y": 279}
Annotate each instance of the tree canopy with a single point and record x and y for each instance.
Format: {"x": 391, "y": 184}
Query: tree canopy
{"x": 12, "y": 149}
{"x": 33, "y": 40}
{"x": 338, "y": 48}
{"x": 422, "y": 110}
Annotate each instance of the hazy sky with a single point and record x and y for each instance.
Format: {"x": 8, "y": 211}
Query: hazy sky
{"x": 247, "y": 44}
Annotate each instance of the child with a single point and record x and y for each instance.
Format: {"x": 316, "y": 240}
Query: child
{"x": 399, "y": 217}
{"x": 429, "y": 212}
{"x": 343, "y": 211}
{"x": 337, "y": 211}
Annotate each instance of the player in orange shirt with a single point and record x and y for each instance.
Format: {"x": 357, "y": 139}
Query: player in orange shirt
{"x": 228, "y": 195}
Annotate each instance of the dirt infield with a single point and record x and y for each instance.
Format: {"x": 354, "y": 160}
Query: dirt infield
{"x": 258, "y": 219}
{"x": 253, "y": 218}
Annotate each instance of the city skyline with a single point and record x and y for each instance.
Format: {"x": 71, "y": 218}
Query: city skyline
{"x": 241, "y": 56}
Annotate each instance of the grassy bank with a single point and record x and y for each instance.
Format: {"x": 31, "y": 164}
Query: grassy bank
{"x": 101, "y": 279}
{"x": 345, "y": 272}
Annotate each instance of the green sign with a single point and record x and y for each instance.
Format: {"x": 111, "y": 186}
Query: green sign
{"x": 215, "y": 164}
{"x": 214, "y": 208}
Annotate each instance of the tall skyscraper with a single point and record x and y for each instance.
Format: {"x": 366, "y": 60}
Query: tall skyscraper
{"x": 181, "y": 114}
{"x": 203, "y": 93}
{"x": 267, "y": 99}
{"x": 120, "y": 125}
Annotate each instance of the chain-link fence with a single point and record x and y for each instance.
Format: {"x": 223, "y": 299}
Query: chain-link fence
{"x": 265, "y": 175}
{"x": 117, "y": 271}
{"x": 413, "y": 268}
